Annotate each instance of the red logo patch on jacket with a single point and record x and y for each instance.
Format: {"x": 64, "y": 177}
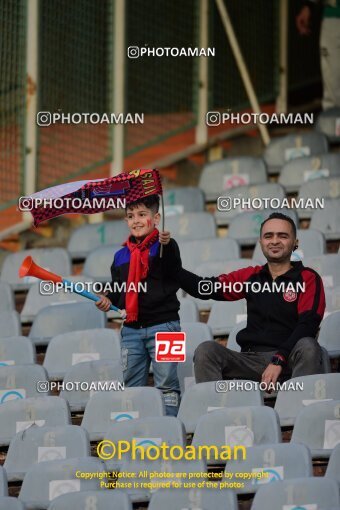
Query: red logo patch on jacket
{"x": 290, "y": 295}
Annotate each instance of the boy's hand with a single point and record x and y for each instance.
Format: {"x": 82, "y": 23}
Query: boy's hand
{"x": 123, "y": 313}
{"x": 164, "y": 237}
{"x": 103, "y": 304}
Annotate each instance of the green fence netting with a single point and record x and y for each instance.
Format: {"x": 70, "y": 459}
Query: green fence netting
{"x": 75, "y": 41}
{"x": 12, "y": 99}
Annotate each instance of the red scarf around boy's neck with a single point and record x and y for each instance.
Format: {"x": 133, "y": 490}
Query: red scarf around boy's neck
{"x": 138, "y": 270}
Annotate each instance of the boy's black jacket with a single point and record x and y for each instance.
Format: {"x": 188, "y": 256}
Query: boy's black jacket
{"x": 159, "y": 304}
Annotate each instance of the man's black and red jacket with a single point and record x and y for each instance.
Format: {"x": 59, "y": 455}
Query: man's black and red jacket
{"x": 275, "y": 320}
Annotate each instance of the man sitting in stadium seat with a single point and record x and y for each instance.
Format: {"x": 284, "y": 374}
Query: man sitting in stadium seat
{"x": 285, "y": 305}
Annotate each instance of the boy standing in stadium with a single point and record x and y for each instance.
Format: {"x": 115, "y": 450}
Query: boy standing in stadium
{"x": 146, "y": 312}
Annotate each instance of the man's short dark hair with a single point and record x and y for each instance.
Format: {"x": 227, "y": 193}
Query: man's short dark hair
{"x": 279, "y": 216}
{"x": 151, "y": 202}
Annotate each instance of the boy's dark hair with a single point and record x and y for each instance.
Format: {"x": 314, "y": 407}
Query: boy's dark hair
{"x": 151, "y": 202}
{"x": 279, "y": 216}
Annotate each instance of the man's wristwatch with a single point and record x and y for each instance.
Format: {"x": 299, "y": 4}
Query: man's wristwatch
{"x": 278, "y": 360}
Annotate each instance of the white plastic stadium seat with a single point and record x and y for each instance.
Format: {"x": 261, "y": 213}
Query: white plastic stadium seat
{"x": 225, "y": 315}
{"x": 194, "y": 253}
{"x": 219, "y": 176}
{"x": 327, "y": 220}
{"x": 7, "y": 503}
{"x": 196, "y": 333}
{"x": 283, "y": 149}
{"x": 3, "y": 482}
{"x": 6, "y": 297}
{"x": 98, "y": 500}
{"x": 99, "y": 261}
{"x": 333, "y": 468}
{"x": 188, "y": 311}
{"x": 168, "y": 499}
{"x": 88, "y": 237}
{"x": 56, "y": 260}
{"x": 316, "y": 190}
{"x": 191, "y": 226}
{"x": 183, "y": 199}
{"x": 328, "y": 123}
{"x": 9, "y": 324}
{"x": 20, "y": 382}
{"x": 329, "y": 334}
{"x": 16, "y": 350}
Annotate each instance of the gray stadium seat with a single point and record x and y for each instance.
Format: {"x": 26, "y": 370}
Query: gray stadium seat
{"x": 214, "y": 269}
{"x": 46, "y": 481}
{"x": 88, "y": 237}
{"x": 333, "y": 468}
{"x": 301, "y": 493}
{"x": 16, "y": 350}
{"x": 280, "y": 461}
{"x": 161, "y": 466}
{"x": 11, "y": 504}
{"x": 246, "y": 426}
{"x": 332, "y": 299}
{"x": 270, "y": 190}
{"x": 329, "y": 334}
{"x": 100, "y": 500}
{"x": 183, "y": 199}
{"x": 196, "y": 333}
{"x": 311, "y": 244}
{"x": 3, "y": 482}
{"x": 185, "y": 373}
{"x": 327, "y": 123}
{"x": 41, "y": 444}
{"x": 68, "y": 349}
{"x": 20, "y": 414}
{"x": 64, "y": 318}
{"x": 107, "y": 408}
{"x": 191, "y": 226}
{"x": 99, "y": 261}
{"x": 224, "y": 316}
{"x": 35, "y": 300}
{"x": 10, "y": 324}
{"x": 327, "y": 266}
{"x": 168, "y": 499}
{"x": 316, "y": 388}
{"x": 188, "y": 311}
{"x": 318, "y": 427}
{"x": 90, "y": 372}
{"x": 21, "y": 381}
{"x": 232, "y": 343}
{"x": 300, "y": 170}
{"x": 220, "y": 175}
{"x": 327, "y": 220}
{"x": 245, "y": 227}
{"x": 194, "y": 253}
{"x": 146, "y": 431}
{"x": 318, "y": 189}
{"x": 285, "y": 148}
{"x": 6, "y": 297}
{"x": 203, "y": 398}
{"x": 56, "y": 260}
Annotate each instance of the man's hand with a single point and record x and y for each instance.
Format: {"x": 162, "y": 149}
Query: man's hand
{"x": 103, "y": 304}
{"x": 271, "y": 374}
{"x": 164, "y": 237}
{"x": 303, "y": 21}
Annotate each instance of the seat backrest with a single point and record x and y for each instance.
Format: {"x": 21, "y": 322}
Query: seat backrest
{"x": 225, "y": 315}
{"x": 6, "y": 297}
{"x": 17, "y": 415}
{"x": 333, "y": 468}
{"x": 227, "y": 173}
{"x": 329, "y": 333}
{"x": 314, "y": 492}
{"x": 327, "y": 220}
{"x": 40, "y": 296}
{"x": 56, "y": 260}
{"x": 318, "y": 427}
{"x": 327, "y": 123}
{"x": 183, "y": 199}
{"x": 47, "y": 480}
{"x": 327, "y": 187}
{"x": 191, "y": 226}
{"x": 9, "y": 324}
{"x": 316, "y": 388}
{"x": 108, "y": 408}
{"x": 16, "y": 350}
{"x": 98, "y": 500}
{"x": 188, "y": 311}
{"x": 68, "y": 349}
{"x": 327, "y": 266}
{"x": 206, "y": 397}
{"x": 11, "y": 504}
{"x": 185, "y": 373}
{"x": 247, "y": 425}
{"x": 3, "y": 482}
{"x": 167, "y": 499}
{"x": 332, "y": 299}
{"x": 300, "y": 170}
{"x": 88, "y": 237}
{"x": 196, "y": 333}
{"x": 281, "y": 461}
{"x": 20, "y": 381}
{"x": 99, "y": 261}
{"x": 40, "y": 444}
{"x": 194, "y": 253}
{"x": 63, "y": 318}
{"x": 101, "y": 375}
{"x": 232, "y": 343}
